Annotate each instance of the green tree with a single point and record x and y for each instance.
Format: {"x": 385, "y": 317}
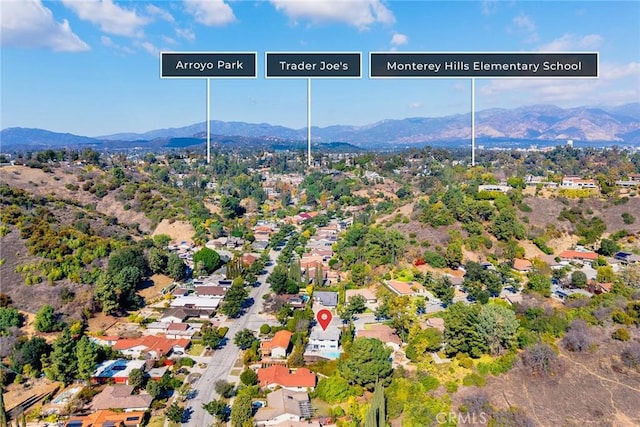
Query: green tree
{"x": 207, "y": 260}
{"x": 334, "y": 389}
{"x": 175, "y": 413}
{"x": 540, "y": 283}
{"x": 249, "y": 377}
{"x": 461, "y": 334}
{"x": 231, "y": 207}
{"x": 244, "y": 339}
{"x": 63, "y": 361}
{"x": 224, "y": 388}
{"x": 497, "y": 326}
{"x": 157, "y": 260}
{"x": 578, "y": 279}
{"x": 234, "y": 300}
{"x": 216, "y": 408}
{"x": 176, "y": 268}
{"x": 506, "y": 226}
{"x": 31, "y": 352}
{"x": 210, "y": 336}
{"x": 453, "y": 254}
{"x": 127, "y": 257}
{"x": 357, "y": 304}
{"x": 45, "y": 320}
{"x": 605, "y": 274}
{"x": 136, "y": 378}
{"x": 367, "y": 362}
{"x": 117, "y": 290}
{"x": 154, "y": 388}
{"x": 88, "y": 354}
{"x": 281, "y": 282}
{"x": 423, "y": 341}
{"x": 359, "y": 274}
{"x": 9, "y": 318}
{"x": 241, "y": 411}
{"x": 376, "y": 415}
{"x": 444, "y": 290}
{"x": 608, "y": 247}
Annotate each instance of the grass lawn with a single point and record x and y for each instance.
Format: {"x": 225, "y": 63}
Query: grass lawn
{"x": 195, "y": 349}
{"x": 156, "y": 421}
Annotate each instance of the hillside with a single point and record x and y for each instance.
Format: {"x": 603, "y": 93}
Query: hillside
{"x": 62, "y": 183}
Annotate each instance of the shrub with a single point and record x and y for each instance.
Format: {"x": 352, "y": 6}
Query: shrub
{"x": 631, "y": 356}
{"x": 464, "y": 360}
{"x": 451, "y": 386}
{"x": 628, "y": 218}
{"x": 265, "y": 329}
{"x": 435, "y": 260}
{"x": 578, "y": 337}
{"x": 541, "y": 359}
{"x": 474, "y": 379}
{"x": 621, "y": 334}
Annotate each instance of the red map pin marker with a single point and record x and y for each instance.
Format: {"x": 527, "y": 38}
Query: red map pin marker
{"x": 324, "y": 318}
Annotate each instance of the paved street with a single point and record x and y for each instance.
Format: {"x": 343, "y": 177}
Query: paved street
{"x": 222, "y": 361}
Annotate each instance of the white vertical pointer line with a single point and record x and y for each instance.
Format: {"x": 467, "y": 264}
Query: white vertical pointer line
{"x": 208, "y": 121}
{"x": 473, "y": 121}
{"x": 309, "y": 121}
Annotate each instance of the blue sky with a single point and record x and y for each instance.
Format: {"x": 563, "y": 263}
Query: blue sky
{"x": 91, "y": 67}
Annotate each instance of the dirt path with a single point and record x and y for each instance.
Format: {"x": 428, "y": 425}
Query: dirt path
{"x": 600, "y": 377}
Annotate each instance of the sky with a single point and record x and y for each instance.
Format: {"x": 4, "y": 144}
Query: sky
{"x": 91, "y": 67}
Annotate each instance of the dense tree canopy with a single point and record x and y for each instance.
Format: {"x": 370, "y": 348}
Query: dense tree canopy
{"x": 206, "y": 260}
{"x": 367, "y": 362}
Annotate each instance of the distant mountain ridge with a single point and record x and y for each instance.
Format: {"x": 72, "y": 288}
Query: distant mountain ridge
{"x": 537, "y": 123}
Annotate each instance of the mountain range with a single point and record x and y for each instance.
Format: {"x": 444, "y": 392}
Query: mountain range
{"x": 537, "y": 124}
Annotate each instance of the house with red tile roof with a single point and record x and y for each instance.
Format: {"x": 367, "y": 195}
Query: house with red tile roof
{"x": 405, "y": 288}
{"x": 523, "y": 265}
{"x": 587, "y": 256}
{"x": 150, "y": 346}
{"x": 278, "y": 346}
{"x": 301, "y": 379}
{"x": 107, "y": 418}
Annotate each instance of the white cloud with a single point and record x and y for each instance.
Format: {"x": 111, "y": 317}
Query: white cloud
{"x": 110, "y": 17}
{"x": 159, "y": 13}
{"x": 168, "y": 40}
{"x": 619, "y": 71}
{"x": 571, "y": 41}
{"x": 148, "y": 47}
{"x": 489, "y": 7}
{"x": 185, "y": 33}
{"x": 29, "y": 24}
{"x": 613, "y": 87}
{"x": 415, "y": 104}
{"x": 399, "y": 39}
{"x": 108, "y": 42}
{"x": 210, "y": 12}
{"x": 524, "y": 25}
{"x": 359, "y": 13}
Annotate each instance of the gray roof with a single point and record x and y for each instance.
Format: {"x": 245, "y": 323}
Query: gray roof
{"x": 284, "y": 401}
{"x": 118, "y": 396}
{"x": 331, "y": 334}
{"x": 328, "y": 299}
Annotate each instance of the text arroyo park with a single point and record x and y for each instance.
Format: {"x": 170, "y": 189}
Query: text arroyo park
{"x": 208, "y": 65}
{"x": 482, "y": 65}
